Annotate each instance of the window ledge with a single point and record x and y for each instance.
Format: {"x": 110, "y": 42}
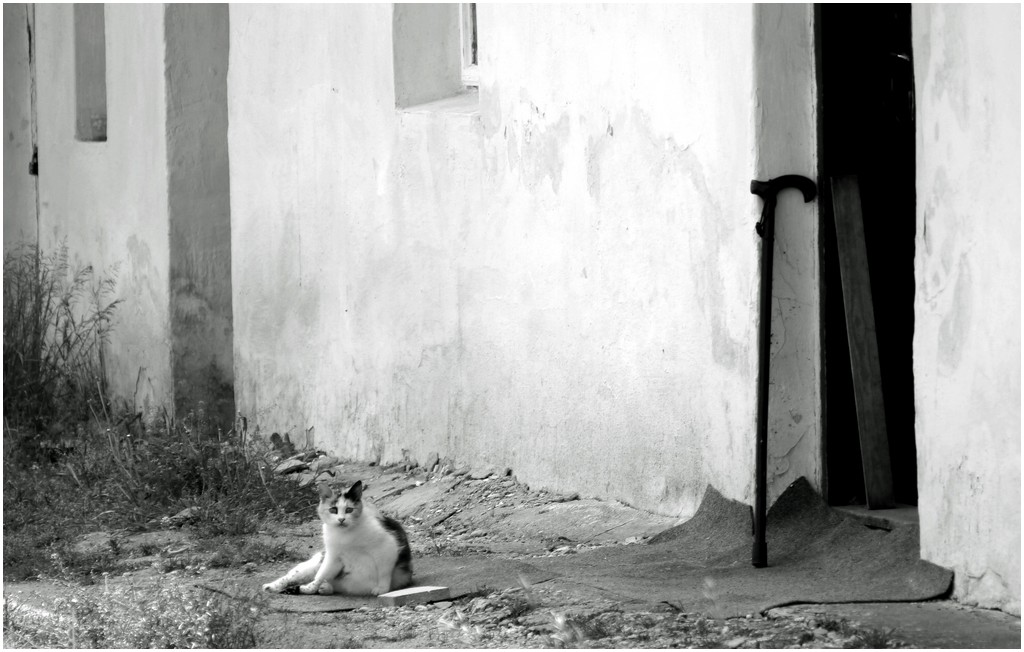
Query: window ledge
{"x": 465, "y": 103}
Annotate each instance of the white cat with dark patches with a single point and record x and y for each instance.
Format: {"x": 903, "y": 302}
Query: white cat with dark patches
{"x": 365, "y": 552}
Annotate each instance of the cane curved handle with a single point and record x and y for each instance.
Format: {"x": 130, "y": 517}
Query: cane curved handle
{"x": 769, "y": 189}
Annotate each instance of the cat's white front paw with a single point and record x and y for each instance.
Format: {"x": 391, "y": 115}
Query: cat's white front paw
{"x": 325, "y": 589}
{"x": 274, "y": 587}
{"x": 311, "y": 588}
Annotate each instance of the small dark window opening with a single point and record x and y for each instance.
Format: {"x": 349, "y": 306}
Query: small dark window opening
{"x": 90, "y": 73}
{"x": 472, "y": 18}
{"x": 467, "y": 28}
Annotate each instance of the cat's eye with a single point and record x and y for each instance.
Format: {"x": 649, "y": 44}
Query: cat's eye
{"x": 333, "y": 510}
{"x": 348, "y": 510}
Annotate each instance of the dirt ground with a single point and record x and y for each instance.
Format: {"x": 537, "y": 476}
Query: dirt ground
{"x": 486, "y": 517}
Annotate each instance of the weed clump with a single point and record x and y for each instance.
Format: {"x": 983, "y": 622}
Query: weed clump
{"x": 136, "y": 478}
{"x": 220, "y": 484}
{"x": 73, "y": 464}
{"x": 56, "y": 319}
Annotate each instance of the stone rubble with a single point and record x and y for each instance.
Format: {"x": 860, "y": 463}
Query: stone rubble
{"x": 540, "y": 617}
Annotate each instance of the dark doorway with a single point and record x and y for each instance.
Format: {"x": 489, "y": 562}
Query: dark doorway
{"x": 866, "y": 127}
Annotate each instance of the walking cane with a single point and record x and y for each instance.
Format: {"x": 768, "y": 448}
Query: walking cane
{"x": 767, "y": 191}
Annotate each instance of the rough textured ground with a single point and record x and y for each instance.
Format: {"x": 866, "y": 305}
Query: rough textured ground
{"x": 476, "y": 514}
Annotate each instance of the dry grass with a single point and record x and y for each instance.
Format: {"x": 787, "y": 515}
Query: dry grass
{"x": 56, "y": 318}
{"x": 129, "y": 617}
{"x": 132, "y": 479}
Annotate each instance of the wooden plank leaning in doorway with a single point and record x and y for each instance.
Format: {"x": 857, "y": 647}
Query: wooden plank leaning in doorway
{"x": 860, "y": 331}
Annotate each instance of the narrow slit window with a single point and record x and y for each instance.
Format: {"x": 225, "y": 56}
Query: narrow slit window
{"x": 467, "y": 16}
{"x": 90, "y": 73}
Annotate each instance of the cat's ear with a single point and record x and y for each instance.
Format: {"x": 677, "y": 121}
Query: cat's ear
{"x": 355, "y": 493}
{"x": 325, "y": 490}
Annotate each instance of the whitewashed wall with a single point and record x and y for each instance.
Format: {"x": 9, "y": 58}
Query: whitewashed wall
{"x": 559, "y": 276}
{"x": 784, "y": 114}
{"x": 109, "y": 199}
{"x": 967, "y": 307}
{"x": 151, "y": 202}
{"x": 199, "y": 204}
{"x": 19, "y": 186}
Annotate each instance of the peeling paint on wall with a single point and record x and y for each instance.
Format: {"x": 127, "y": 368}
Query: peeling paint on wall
{"x": 562, "y": 281}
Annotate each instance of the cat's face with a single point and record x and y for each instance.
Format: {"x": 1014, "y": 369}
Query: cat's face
{"x": 341, "y": 509}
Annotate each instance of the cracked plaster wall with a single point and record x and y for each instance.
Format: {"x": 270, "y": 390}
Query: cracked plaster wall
{"x": 967, "y": 307}
{"x": 562, "y": 279}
